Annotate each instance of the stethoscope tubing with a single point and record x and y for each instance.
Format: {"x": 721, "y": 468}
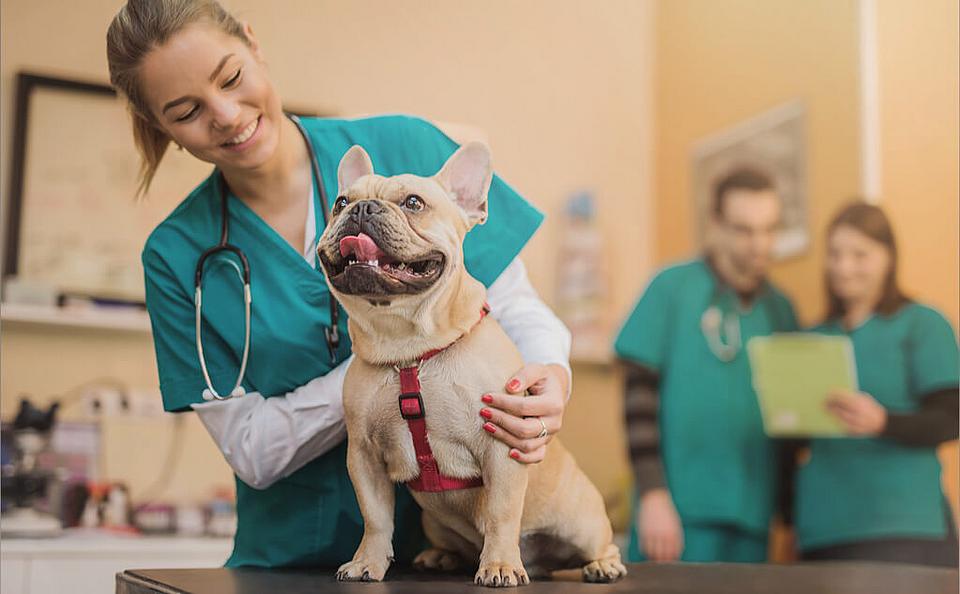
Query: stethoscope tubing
{"x": 331, "y": 334}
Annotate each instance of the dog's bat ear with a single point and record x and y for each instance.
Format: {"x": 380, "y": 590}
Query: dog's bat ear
{"x": 466, "y": 176}
{"x": 355, "y": 164}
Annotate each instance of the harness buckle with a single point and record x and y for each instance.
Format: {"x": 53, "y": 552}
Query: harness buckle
{"x": 411, "y": 406}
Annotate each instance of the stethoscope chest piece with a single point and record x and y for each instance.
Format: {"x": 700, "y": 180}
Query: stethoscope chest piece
{"x": 210, "y": 395}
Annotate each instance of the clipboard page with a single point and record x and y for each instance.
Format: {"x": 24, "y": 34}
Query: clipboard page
{"x": 792, "y": 376}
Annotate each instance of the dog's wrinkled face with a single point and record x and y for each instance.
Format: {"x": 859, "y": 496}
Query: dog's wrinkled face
{"x": 401, "y": 235}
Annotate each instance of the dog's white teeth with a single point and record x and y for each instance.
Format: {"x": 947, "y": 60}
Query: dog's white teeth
{"x": 402, "y": 266}
{"x": 373, "y": 262}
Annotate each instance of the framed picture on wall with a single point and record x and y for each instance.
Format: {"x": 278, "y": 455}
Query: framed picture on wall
{"x": 74, "y": 223}
{"x": 774, "y": 143}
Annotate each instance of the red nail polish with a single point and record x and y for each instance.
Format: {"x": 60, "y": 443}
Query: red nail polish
{"x": 489, "y": 428}
{"x": 487, "y": 398}
{"x": 515, "y": 454}
{"x": 486, "y": 414}
{"x": 514, "y": 385}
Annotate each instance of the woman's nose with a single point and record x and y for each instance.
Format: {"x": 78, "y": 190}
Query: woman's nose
{"x": 843, "y": 268}
{"x": 225, "y": 114}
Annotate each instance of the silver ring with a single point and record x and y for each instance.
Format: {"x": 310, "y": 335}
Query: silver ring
{"x": 543, "y": 431}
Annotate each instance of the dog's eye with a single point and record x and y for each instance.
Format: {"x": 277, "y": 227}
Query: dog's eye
{"x": 340, "y": 204}
{"x": 413, "y": 202}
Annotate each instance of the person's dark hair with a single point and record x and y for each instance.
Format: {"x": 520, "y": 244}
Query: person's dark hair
{"x": 139, "y": 27}
{"x": 872, "y": 222}
{"x": 741, "y": 178}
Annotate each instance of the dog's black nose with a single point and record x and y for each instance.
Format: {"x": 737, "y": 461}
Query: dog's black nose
{"x": 366, "y": 208}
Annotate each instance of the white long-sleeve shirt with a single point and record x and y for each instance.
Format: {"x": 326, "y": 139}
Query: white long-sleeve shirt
{"x": 266, "y": 439}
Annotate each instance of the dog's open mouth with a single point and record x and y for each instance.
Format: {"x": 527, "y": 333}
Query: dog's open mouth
{"x": 363, "y": 268}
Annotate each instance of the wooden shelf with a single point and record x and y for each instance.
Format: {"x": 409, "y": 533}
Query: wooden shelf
{"x": 96, "y": 318}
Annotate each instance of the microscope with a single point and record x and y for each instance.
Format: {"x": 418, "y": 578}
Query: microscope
{"x": 22, "y": 480}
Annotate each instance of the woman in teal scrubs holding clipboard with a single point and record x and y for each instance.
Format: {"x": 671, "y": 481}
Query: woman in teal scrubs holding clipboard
{"x": 876, "y": 494}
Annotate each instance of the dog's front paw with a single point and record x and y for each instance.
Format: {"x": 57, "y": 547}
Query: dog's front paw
{"x": 363, "y": 570}
{"x": 436, "y": 560}
{"x": 501, "y": 575}
{"x": 609, "y": 569}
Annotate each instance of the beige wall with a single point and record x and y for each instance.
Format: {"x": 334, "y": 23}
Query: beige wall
{"x": 919, "y": 74}
{"x": 562, "y": 91}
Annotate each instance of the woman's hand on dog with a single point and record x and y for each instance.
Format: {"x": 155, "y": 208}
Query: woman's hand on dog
{"x": 512, "y": 417}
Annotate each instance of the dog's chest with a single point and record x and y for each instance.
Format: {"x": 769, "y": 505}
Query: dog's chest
{"x": 451, "y": 408}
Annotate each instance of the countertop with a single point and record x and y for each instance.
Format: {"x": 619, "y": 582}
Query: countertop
{"x": 833, "y": 578}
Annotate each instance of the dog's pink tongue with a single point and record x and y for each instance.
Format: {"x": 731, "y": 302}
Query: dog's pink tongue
{"x": 362, "y": 246}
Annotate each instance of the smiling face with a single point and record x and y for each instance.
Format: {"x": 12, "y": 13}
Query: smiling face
{"x": 378, "y": 248}
{"x": 401, "y": 235}
{"x": 209, "y": 91}
{"x": 857, "y": 266}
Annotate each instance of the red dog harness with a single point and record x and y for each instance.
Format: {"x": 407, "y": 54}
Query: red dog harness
{"x": 414, "y": 413}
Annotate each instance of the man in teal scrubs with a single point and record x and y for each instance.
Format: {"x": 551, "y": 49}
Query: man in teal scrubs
{"x": 310, "y": 517}
{"x": 704, "y": 469}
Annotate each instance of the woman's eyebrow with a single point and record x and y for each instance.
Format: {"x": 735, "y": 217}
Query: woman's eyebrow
{"x": 219, "y": 67}
{"x": 174, "y": 103}
{"x": 216, "y": 72}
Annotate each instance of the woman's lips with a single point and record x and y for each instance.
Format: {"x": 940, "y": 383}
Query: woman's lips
{"x": 253, "y": 136}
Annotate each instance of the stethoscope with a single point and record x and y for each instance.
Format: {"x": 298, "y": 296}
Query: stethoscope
{"x": 331, "y": 333}
{"x": 721, "y": 331}
{"x": 721, "y": 326}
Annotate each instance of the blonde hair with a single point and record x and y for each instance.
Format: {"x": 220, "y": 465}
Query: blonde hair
{"x": 139, "y": 27}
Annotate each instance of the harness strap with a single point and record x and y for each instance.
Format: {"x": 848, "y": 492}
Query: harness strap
{"x": 413, "y": 412}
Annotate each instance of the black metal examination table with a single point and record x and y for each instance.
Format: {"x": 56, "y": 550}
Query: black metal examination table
{"x": 833, "y": 578}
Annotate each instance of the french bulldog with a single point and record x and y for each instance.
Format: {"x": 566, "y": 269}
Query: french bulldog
{"x": 393, "y": 256}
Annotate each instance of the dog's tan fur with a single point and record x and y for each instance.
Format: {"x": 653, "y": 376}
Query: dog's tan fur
{"x": 535, "y": 518}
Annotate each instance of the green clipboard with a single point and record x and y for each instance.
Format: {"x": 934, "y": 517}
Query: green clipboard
{"x": 792, "y": 376}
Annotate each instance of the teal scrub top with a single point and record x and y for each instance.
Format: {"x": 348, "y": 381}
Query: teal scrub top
{"x": 310, "y": 517}
{"x": 855, "y": 489}
{"x": 720, "y": 466}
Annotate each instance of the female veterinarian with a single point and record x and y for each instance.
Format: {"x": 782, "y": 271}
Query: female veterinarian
{"x": 272, "y": 398}
{"x": 877, "y": 495}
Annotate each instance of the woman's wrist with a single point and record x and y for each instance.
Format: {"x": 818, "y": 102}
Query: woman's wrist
{"x": 564, "y": 376}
